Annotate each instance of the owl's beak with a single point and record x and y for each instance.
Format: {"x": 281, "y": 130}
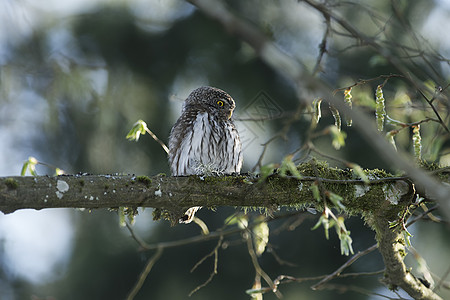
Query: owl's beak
{"x": 230, "y": 113}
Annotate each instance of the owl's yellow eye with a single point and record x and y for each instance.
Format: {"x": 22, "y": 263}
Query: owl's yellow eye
{"x": 220, "y": 103}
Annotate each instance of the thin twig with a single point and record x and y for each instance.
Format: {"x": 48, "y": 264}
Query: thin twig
{"x": 258, "y": 268}
{"x": 323, "y": 45}
{"x": 442, "y": 280}
{"x": 430, "y": 103}
{"x": 157, "y": 139}
{"x": 269, "y": 117}
{"x": 279, "y": 260}
{"x": 219, "y": 243}
{"x": 422, "y": 215}
{"x": 283, "y": 279}
{"x": 362, "y": 274}
{"x": 280, "y": 134}
{"x": 312, "y": 148}
{"x": 364, "y": 81}
{"x": 138, "y": 239}
{"x": 265, "y": 145}
{"x": 203, "y": 238}
{"x": 196, "y": 239}
{"x": 201, "y": 224}
{"x": 214, "y": 252}
{"x": 338, "y": 272}
{"x": 345, "y": 288}
{"x": 144, "y": 274}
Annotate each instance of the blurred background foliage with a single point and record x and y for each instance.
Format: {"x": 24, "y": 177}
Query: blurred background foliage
{"x": 74, "y": 79}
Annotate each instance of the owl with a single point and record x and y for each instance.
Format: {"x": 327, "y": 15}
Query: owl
{"x": 204, "y": 140}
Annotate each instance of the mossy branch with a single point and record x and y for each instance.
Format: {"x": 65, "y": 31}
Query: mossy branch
{"x": 178, "y": 193}
{"x": 380, "y": 202}
{"x": 392, "y": 246}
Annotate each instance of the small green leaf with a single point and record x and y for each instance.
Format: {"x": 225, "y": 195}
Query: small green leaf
{"x": 325, "y": 222}
{"x": 248, "y": 181}
{"x": 315, "y": 191}
{"x": 121, "y": 213}
{"x": 239, "y": 219}
{"x": 335, "y": 199}
{"x": 319, "y": 222}
{"x": 393, "y": 224}
{"x": 131, "y": 218}
{"x": 338, "y": 137}
{"x": 29, "y": 165}
{"x": 417, "y": 141}
{"x": 24, "y": 168}
{"x": 359, "y": 172}
{"x": 348, "y": 101}
{"x": 288, "y": 168}
{"x": 338, "y": 224}
{"x": 390, "y": 138}
{"x": 346, "y": 243}
{"x": 407, "y": 236}
{"x": 336, "y": 116}
{"x": 344, "y": 237}
{"x": 317, "y": 113}
{"x": 260, "y": 236}
{"x": 126, "y": 213}
{"x": 140, "y": 127}
{"x": 266, "y": 171}
{"x": 380, "y": 108}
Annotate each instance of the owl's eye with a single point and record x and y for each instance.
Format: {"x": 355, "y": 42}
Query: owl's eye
{"x": 220, "y": 103}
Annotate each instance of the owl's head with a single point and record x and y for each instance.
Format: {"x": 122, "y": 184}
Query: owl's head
{"x": 212, "y": 100}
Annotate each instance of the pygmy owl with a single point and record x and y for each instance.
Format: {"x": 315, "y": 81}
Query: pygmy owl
{"x": 204, "y": 140}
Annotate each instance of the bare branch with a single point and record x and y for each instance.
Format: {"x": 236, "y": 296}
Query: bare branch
{"x": 323, "y": 46}
{"x": 392, "y": 247}
{"x": 161, "y": 143}
{"x": 258, "y": 269}
{"x": 345, "y": 288}
{"x": 214, "y": 252}
{"x": 338, "y": 272}
{"x": 148, "y": 267}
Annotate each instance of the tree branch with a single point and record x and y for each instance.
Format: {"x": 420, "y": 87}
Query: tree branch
{"x": 392, "y": 248}
{"x": 381, "y": 201}
{"x": 175, "y": 194}
{"x": 388, "y": 239}
{"x": 338, "y": 272}
{"x": 305, "y": 83}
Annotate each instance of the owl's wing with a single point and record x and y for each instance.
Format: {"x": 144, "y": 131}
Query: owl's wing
{"x": 232, "y": 162}
{"x": 189, "y": 145}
